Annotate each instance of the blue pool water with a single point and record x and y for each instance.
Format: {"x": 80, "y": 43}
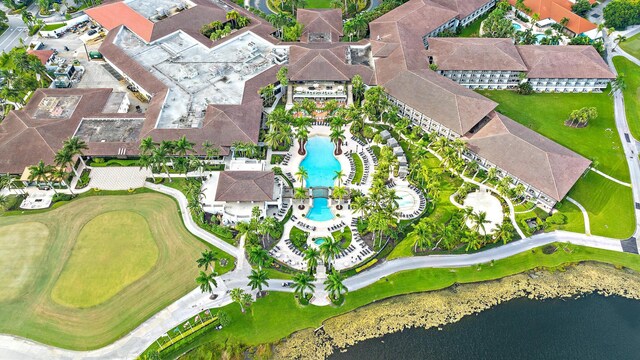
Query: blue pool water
{"x": 539, "y": 37}
{"x": 319, "y": 241}
{"x": 321, "y": 166}
{"x": 517, "y": 26}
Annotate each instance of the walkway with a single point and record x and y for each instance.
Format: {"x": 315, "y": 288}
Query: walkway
{"x": 118, "y": 178}
{"x": 609, "y": 177}
{"x": 585, "y": 214}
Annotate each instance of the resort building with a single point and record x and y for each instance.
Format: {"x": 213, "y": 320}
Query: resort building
{"x": 482, "y": 63}
{"x": 553, "y": 11}
{"x": 233, "y": 195}
{"x": 320, "y": 25}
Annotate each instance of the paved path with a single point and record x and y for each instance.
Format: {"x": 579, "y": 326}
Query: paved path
{"x": 192, "y": 226}
{"x": 585, "y": 214}
{"x": 609, "y": 177}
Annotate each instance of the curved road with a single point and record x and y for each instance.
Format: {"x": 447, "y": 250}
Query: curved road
{"x": 132, "y": 344}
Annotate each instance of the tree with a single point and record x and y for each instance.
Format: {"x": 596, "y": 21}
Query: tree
{"x": 422, "y": 233}
{"x": 620, "y": 38}
{"x": 182, "y": 146}
{"x": 360, "y": 204}
{"x": 301, "y": 175}
{"x": 223, "y": 318}
{"x": 207, "y": 258}
{"x": 241, "y": 297}
{"x": 300, "y": 193}
{"x": 282, "y": 76}
{"x": 258, "y": 256}
{"x": 311, "y": 256}
{"x": 583, "y": 116}
{"x": 479, "y": 221}
{"x": 41, "y": 173}
{"x": 303, "y": 282}
{"x": 334, "y": 285}
{"x": 4, "y": 20}
{"x": 329, "y": 249}
{"x": 147, "y": 145}
{"x": 503, "y": 232}
{"x": 357, "y": 89}
{"x": 337, "y": 137}
{"x": 497, "y": 25}
{"x": 206, "y": 282}
{"x": 618, "y": 84}
{"x": 621, "y": 13}
{"x": 581, "y": 7}
{"x": 293, "y": 32}
{"x": 258, "y": 279}
{"x": 75, "y": 146}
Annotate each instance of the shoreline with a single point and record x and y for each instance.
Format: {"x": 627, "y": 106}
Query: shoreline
{"x": 446, "y": 306}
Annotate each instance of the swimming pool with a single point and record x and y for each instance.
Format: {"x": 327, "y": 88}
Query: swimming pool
{"x": 321, "y": 165}
{"x": 539, "y": 37}
{"x": 319, "y": 241}
{"x": 516, "y": 26}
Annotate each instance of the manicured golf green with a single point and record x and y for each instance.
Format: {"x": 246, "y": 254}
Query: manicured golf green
{"x": 93, "y": 265}
{"x": 609, "y": 205}
{"x": 546, "y": 113}
{"x": 264, "y": 323}
{"x": 631, "y": 94}
{"x": 138, "y": 241}
{"x": 632, "y": 46}
{"x": 21, "y": 248}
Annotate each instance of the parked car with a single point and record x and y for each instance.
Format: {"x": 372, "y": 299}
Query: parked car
{"x": 92, "y": 32}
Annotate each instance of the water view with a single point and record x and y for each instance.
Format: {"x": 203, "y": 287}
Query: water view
{"x": 321, "y": 166}
{"x": 592, "y": 327}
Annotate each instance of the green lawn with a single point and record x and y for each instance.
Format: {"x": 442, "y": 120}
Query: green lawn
{"x": 357, "y": 162}
{"x": 443, "y": 208}
{"x": 21, "y": 249}
{"x": 632, "y": 46}
{"x": 546, "y": 112}
{"x": 70, "y": 234}
{"x": 318, "y": 4}
{"x": 265, "y": 323}
{"x": 609, "y": 205}
{"x": 51, "y": 27}
{"x": 473, "y": 29}
{"x": 631, "y": 72}
{"x": 93, "y": 266}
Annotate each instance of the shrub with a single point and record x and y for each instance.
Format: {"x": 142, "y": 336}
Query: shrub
{"x": 367, "y": 265}
{"x": 619, "y": 14}
{"x": 557, "y": 219}
{"x": 61, "y": 197}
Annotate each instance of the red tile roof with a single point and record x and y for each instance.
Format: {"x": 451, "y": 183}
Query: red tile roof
{"x": 110, "y": 16}
{"x": 556, "y": 10}
{"x": 43, "y": 55}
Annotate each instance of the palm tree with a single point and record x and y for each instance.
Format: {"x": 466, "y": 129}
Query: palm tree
{"x": 147, "y": 145}
{"x": 479, "y": 221}
{"x": 258, "y": 279}
{"x": 311, "y": 256}
{"x": 267, "y": 225}
{"x": 241, "y": 297}
{"x": 620, "y": 38}
{"x": 337, "y": 137}
{"x": 422, "y": 232}
{"x": 503, "y": 232}
{"x": 233, "y": 16}
{"x": 339, "y": 193}
{"x": 303, "y": 282}
{"x": 301, "y": 175}
{"x": 258, "y": 256}
{"x": 160, "y": 157}
{"x": 300, "y": 194}
{"x": 360, "y": 204}
{"x": 206, "y": 282}
{"x": 40, "y": 173}
{"x": 338, "y": 175}
{"x": 207, "y": 258}
{"x": 329, "y": 249}
{"x": 182, "y": 146}
{"x": 76, "y": 146}
{"x": 64, "y": 158}
{"x": 334, "y": 285}
{"x": 618, "y": 84}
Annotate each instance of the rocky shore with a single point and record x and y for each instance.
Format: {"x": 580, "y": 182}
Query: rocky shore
{"x": 436, "y": 308}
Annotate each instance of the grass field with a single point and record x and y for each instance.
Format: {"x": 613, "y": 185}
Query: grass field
{"x": 546, "y": 113}
{"x": 357, "y": 162}
{"x": 632, "y": 46}
{"x": 609, "y": 205}
{"x": 36, "y": 315}
{"x": 473, "y": 29}
{"x": 92, "y": 262}
{"x": 631, "y": 94}
{"x": 21, "y": 248}
{"x": 264, "y": 323}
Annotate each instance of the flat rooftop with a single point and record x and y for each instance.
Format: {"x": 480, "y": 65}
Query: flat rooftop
{"x": 109, "y": 130}
{"x": 196, "y": 75}
{"x": 162, "y": 8}
{"x": 57, "y": 107}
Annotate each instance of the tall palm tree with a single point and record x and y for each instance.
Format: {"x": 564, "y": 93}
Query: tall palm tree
{"x": 41, "y": 173}
{"x": 300, "y": 194}
{"x": 301, "y": 175}
{"x": 160, "y": 157}
{"x": 182, "y": 146}
{"x": 267, "y": 225}
{"x": 620, "y": 38}
{"x": 503, "y": 232}
{"x": 258, "y": 256}
{"x": 479, "y": 221}
{"x": 206, "y": 282}
{"x": 334, "y": 285}
{"x": 147, "y": 145}
{"x": 76, "y": 146}
{"x": 360, "y": 204}
{"x": 303, "y": 282}
{"x": 63, "y": 158}
{"x": 337, "y": 137}
{"x": 329, "y": 249}
{"x": 258, "y": 279}
{"x": 339, "y": 193}
{"x": 338, "y": 175}
{"x": 241, "y": 297}
{"x": 207, "y": 258}
{"x": 311, "y": 256}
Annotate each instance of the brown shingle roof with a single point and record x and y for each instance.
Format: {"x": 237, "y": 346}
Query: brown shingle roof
{"x": 441, "y": 99}
{"x": 529, "y": 156}
{"x": 310, "y": 64}
{"x": 475, "y": 54}
{"x": 574, "y": 61}
{"x": 245, "y": 186}
{"x": 320, "y": 21}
